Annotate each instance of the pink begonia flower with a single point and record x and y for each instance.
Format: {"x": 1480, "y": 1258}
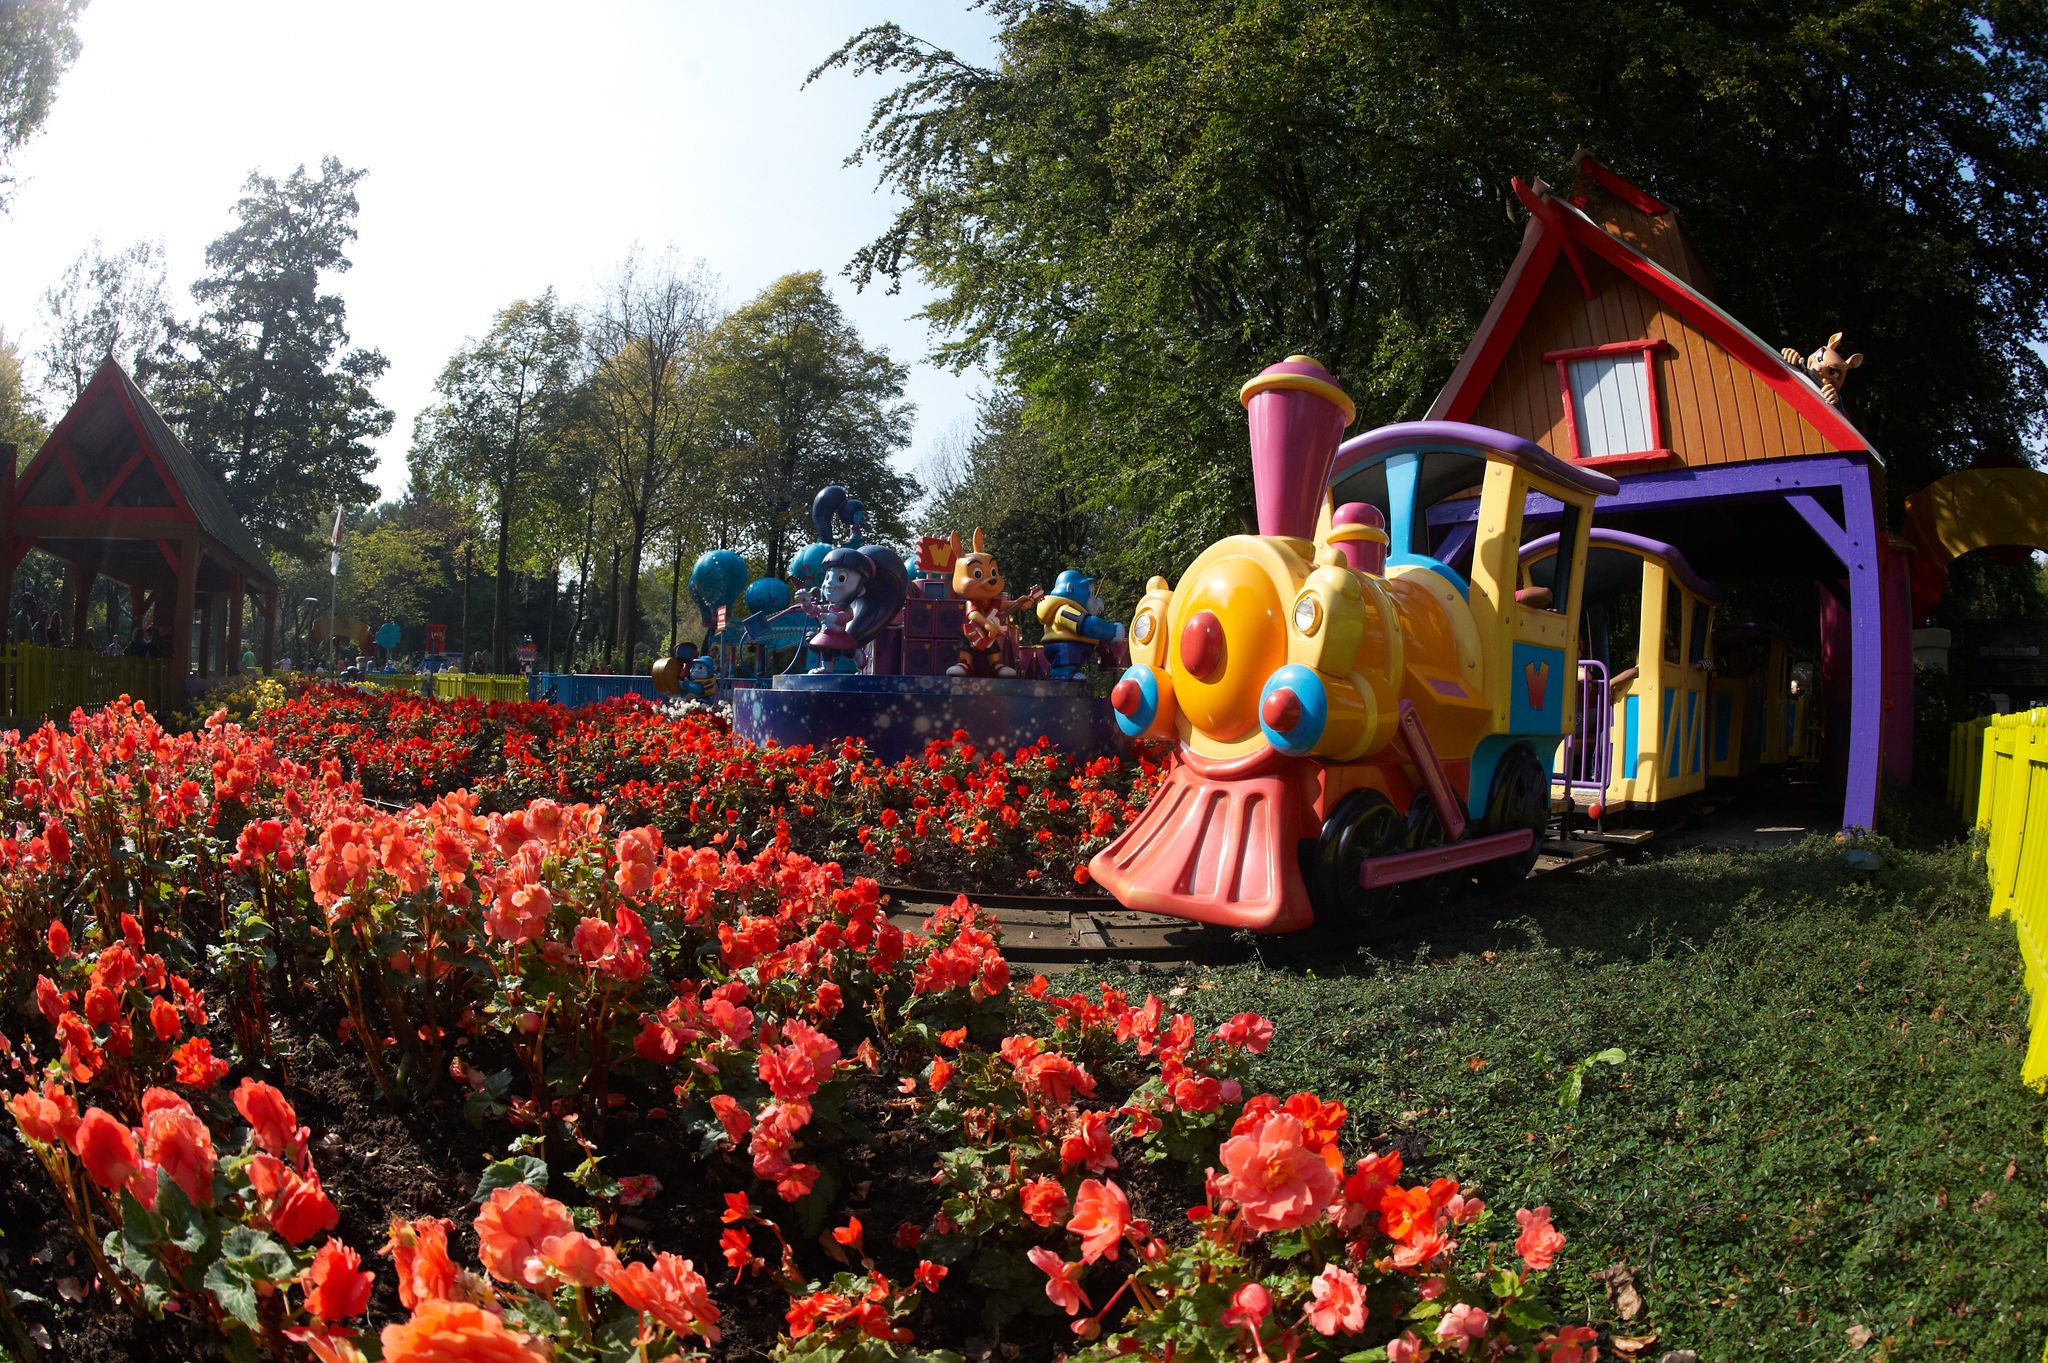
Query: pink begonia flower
{"x": 1462, "y": 1326}
{"x": 1539, "y": 1241}
{"x": 1338, "y": 1305}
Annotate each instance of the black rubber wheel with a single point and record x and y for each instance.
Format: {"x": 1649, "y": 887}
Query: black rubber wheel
{"x": 1518, "y": 798}
{"x": 1364, "y": 825}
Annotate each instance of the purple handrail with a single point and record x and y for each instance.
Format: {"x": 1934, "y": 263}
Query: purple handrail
{"x": 1589, "y": 748}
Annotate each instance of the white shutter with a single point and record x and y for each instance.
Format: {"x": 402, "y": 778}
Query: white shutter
{"x": 1610, "y": 402}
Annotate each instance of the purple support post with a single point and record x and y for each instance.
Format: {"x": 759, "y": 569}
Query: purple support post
{"x": 1855, "y": 543}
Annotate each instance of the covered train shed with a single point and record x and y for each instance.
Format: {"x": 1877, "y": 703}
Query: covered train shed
{"x": 1605, "y": 346}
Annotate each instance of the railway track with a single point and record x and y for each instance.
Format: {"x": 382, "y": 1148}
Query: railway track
{"x": 1052, "y": 935}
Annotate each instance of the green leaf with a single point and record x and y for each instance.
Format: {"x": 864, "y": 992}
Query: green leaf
{"x": 183, "y": 1226}
{"x": 506, "y": 1172}
{"x": 257, "y": 1253}
{"x": 1613, "y": 1055}
{"x": 1376, "y": 1354}
{"x": 1531, "y": 1314}
{"x": 234, "y": 1290}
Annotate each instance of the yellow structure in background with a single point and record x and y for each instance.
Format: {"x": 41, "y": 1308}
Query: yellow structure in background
{"x": 38, "y": 683}
{"x": 448, "y": 685}
{"x": 2012, "y": 809}
{"x": 1750, "y": 702}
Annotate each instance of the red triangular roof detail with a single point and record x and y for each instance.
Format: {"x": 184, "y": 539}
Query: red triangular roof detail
{"x": 1490, "y": 343}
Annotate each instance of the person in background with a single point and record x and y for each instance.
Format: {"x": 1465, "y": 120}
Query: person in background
{"x": 138, "y": 644}
{"x": 21, "y": 623}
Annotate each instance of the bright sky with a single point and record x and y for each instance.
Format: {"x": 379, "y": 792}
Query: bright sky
{"x": 510, "y": 146}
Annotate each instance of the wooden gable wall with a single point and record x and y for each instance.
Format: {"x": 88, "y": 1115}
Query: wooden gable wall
{"x": 1715, "y": 409}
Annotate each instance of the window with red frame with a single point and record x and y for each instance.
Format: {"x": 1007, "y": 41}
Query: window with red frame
{"x": 1610, "y": 402}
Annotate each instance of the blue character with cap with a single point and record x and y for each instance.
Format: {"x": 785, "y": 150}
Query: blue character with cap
{"x": 1071, "y": 614}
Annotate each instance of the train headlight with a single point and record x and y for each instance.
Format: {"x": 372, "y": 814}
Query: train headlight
{"x": 1308, "y": 615}
{"x": 1145, "y": 626}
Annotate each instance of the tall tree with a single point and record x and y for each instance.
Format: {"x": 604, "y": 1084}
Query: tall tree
{"x": 1144, "y": 201}
{"x": 802, "y": 403}
{"x": 103, "y": 305}
{"x": 263, "y": 385}
{"x": 1002, "y": 477}
{"x": 646, "y": 403}
{"x": 506, "y": 404}
{"x": 21, "y": 420}
{"x": 38, "y": 43}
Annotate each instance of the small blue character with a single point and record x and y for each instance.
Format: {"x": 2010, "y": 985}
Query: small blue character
{"x": 1074, "y": 626}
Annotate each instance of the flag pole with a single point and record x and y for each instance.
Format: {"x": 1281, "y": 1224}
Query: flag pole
{"x": 334, "y": 590}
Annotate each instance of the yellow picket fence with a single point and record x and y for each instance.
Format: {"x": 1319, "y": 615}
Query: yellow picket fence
{"x": 2012, "y": 809}
{"x": 1966, "y": 765}
{"x": 448, "y": 685}
{"x": 39, "y": 683}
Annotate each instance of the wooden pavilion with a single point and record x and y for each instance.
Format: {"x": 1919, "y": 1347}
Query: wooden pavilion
{"x": 115, "y": 494}
{"x": 1605, "y": 346}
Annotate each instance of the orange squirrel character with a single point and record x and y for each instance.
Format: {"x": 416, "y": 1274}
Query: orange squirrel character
{"x": 978, "y": 580}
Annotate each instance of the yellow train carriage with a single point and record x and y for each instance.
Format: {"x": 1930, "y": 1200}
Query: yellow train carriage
{"x": 1646, "y": 666}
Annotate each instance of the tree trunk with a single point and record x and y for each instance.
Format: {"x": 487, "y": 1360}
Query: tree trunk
{"x": 554, "y": 609}
{"x": 611, "y": 629}
{"x": 583, "y": 566}
{"x": 629, "y": 615}
{"x": 501, "y": 599}
{"x": 675, "y": 601}
{"x": 468, "y": 572}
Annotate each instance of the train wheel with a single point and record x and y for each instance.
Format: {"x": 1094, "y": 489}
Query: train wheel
{"x": 1364, "y": 825}
{"x": 1520, "y": 798}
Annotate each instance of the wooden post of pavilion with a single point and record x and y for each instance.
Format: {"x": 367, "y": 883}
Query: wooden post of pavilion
{"x": 181, "y": 616}
{"x": 267, "y": 659}
{"x": 236, "y": 599}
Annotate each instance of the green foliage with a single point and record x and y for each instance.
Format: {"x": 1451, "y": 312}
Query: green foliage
{"x": 103, "y": 305}
{"x": 507, "y": 405}
{"x": 21, "y": 419}
{"x": 38, "y": 43}
{"x": 1022, "y": 491}
{"x": 800, "y": 403}
{"x": 1820, "y": 1122}
{"x": 1141, "y": 204}
{"x": 262, "y": 385}
{"x": 650, "y": 426}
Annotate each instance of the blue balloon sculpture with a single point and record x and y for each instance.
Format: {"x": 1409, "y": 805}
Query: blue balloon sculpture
{"x": 767, "y": 595}
{"x": 717, "y": 579}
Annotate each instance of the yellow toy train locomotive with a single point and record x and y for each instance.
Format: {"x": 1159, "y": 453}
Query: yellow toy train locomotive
{"x": 1352, "y": 712}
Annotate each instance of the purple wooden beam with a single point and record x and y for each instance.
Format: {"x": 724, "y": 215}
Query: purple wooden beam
{"x": 1669, "y": 488}
{"x": 1823, "y": 524}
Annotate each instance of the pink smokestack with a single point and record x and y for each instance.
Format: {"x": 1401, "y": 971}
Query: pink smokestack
{"x": 1297, "y": 414}
{"x": 1362, "y": 553}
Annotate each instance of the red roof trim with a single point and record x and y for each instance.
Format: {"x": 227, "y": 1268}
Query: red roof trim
{"x": 1587, "y": 352}
{"x": 1496, "y": 334}
{"x": 1631, "y": 195}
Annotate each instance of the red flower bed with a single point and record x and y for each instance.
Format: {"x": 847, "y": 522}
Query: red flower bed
{"x": 583, "y": 989}
{"x": 956, "y": 818}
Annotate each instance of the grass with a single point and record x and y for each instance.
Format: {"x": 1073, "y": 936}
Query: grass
{"x": 1819, "y": 1129}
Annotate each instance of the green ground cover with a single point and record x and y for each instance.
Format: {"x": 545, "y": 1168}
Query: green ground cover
{"x": 1819, "y": 1130}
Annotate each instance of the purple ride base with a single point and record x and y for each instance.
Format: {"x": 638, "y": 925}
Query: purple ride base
{"x": 897, "y": 716}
